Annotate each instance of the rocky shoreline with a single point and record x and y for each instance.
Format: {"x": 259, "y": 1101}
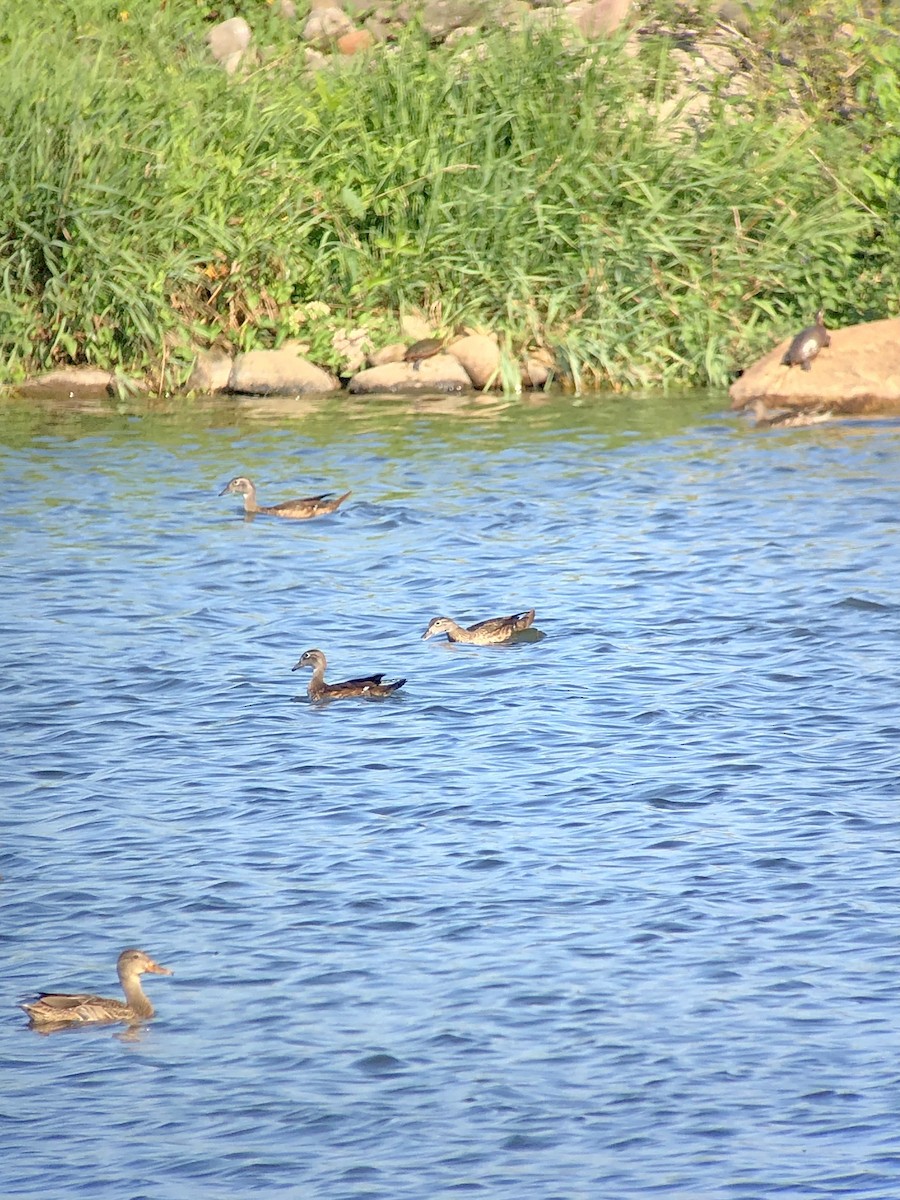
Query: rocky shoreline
{"x": 858, "y": 373}
{"x": 350, "y": 27}
{"x": 642, "y": 292}
{"x": 468, "y": 363}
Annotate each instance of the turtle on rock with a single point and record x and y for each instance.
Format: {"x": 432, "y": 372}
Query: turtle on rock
{"x": 807, "y": 344}
{"x": 424, "y": 348}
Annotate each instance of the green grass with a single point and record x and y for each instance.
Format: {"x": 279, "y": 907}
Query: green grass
{"x": 150, "y": 204}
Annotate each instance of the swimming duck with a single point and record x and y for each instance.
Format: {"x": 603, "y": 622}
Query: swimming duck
{"x": 57, "y": 1008}
{"x": 317, "y": 689}
{"x": 486, "y": 633}
{"x": 297, "y": 510}
{"x": 807, "y": 344}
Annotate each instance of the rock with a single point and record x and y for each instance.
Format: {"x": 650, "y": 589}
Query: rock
{"x": 228, "y": 41}
{"x": 380, "y": 29}
{"x": 736, "y": 12}
{"x": 858, "y": 373}
{"x": 282, "y": 372}
{"x": 325, "y": 25}
{"x": 357, "y": 41}
{"x": 351, "y": 346}
{"x": 595, "y": 18}
{"x": 480, "y": 355}
{"x": 440, "y": 17}
{"x": 83, "y": 382}
{"x": 414, "y": 327}
{"x": 212, "y": 370}
{"x": 442, "y": 373}
{"x": 394, "y": 352}
{"x": 466, "y": 33}
{"x": 537, "y": 369}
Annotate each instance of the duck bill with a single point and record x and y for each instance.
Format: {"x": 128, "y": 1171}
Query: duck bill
{"x": 297, "y": 666}
{"x": 427, "y": 634}
{"x": 155, "y": 969}
{"x": 225, "y": 490}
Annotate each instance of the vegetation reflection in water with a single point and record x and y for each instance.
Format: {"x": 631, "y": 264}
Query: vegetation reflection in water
{"x": 403, "y": 423}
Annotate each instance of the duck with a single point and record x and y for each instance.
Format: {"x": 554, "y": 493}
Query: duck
{"x": 296, "y": 510}
{"x": 367, "y": 687}
{"x": 492, "y": 632}
{"x": 58, "y": 1008}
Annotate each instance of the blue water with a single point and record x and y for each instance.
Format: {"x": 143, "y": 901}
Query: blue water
{"x": 608, "y": 914}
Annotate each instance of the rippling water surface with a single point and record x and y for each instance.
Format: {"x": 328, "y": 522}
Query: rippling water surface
{"x": 608, "y": 914}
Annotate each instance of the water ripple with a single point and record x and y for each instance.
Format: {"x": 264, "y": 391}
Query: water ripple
{"x": 608, "y": 913}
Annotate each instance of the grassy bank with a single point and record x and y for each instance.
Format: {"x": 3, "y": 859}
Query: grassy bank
{"x": 149, "y": 203}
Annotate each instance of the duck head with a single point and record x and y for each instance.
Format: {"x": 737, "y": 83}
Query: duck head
{"x": 136, "y": 962}
{"x": 239, "y": 486}
{"x": 310, "y": 658}
{"x": 438, "y": 625}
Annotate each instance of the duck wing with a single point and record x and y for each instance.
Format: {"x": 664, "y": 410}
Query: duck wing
{"x": 359, "y": 685}
{"x": 368, "y": 685}
{"x": 310, "y": 506}
{"x": 60, "y": 1002}
{"x": 513, "y": 624}
{"x": 57, "y": 1009}
{"x": 305, "y": 502}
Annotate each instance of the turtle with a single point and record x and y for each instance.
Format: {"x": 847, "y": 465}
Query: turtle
{"x": 424, "y": 348}
{"x": 807, "y": 344}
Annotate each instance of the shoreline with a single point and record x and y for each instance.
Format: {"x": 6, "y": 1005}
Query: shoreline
{"x": 654, "y": 207}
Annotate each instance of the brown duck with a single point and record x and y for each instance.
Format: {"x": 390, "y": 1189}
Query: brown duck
{"x": 296, "y": 510}
{"x": 486, "y": 633}
{"x": 57, "y": 1008}
{"x": 367, "y": 687}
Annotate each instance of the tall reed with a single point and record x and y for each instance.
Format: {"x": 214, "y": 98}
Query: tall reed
{"x": 521, "y": 184}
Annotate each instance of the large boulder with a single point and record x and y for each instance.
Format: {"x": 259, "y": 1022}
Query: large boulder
{"x": 441, "y": 373}
{"x": 82, "y": 382}
{"x": 480, "y": 355}
{"x": 858, "y": 373}
{"x": 212, "y": 371}
{"x": 278, "y": 372}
